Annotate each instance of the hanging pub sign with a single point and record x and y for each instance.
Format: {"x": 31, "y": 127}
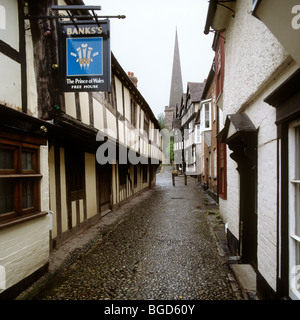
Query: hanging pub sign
{"x": 85, "y": 56}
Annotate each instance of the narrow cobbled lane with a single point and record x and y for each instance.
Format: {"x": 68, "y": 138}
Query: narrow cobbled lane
{"x": 162, "y": 250}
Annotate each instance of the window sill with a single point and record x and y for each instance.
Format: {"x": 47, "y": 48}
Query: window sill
{"x": 12, "y": 176}
{"x": 8, "y": 223}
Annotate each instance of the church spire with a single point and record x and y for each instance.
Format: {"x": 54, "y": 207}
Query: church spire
{"x": 176, "y": 82}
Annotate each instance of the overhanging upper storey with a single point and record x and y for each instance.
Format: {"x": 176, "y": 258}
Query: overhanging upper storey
{"x": 219, "y": 14}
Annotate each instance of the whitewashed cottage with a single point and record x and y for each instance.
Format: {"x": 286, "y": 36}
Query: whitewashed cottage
{"x": 262, "y": 131}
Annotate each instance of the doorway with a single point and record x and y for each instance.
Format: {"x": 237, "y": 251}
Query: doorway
{"x": 104, "y": 183}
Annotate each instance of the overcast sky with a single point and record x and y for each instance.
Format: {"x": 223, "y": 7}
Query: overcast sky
{"x": 144, "y": 42}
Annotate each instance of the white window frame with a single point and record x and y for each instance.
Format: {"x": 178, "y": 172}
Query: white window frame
{"x": 203, "y": 103}
{"x": 294, "y": 198}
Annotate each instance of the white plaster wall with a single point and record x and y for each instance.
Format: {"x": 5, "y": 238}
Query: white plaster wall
{"x": 121, "y": 131}
{"x": 10, "y": 34}
{"x": 119, "y": 95}
{"x": 10, "y": 83}
{"x": 127, "y": 104}
{"x": 111, "y": 124}
{"x": 84, "y": 107}
{"x": 233, "y": 196}
{"x": 70, "y": 104}
{"x": 252, "y": 54}
{"x": 263, "y": 117}
{"x": 138, "y": 110}
{"x": 223, "y": 209}
{"x": 267, "y": 177}
{"x": 98, "y": 114}
{"x": 256, "y": 64}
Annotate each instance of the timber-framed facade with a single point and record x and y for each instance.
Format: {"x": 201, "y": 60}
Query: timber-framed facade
{"x": 98, "y": 188}
{"x": 49, "y": 141}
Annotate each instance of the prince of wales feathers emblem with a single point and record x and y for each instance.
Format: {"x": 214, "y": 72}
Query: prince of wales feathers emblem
{"x": 84, "y": 55}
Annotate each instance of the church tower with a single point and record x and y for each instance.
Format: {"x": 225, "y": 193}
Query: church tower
{"x": 176, "y": 87}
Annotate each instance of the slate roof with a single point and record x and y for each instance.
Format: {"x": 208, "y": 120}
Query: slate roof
{"x": 195, "y": 90}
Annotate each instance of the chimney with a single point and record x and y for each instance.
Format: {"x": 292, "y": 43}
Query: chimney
{"x": 133, "y": 78}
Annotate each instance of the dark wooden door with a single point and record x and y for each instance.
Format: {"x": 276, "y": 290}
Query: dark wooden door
{"x": 248, "y": 216}
{"x": 104, "y": 182}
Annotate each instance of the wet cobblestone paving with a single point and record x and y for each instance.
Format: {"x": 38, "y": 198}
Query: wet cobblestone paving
{"x": 162, "y": 250}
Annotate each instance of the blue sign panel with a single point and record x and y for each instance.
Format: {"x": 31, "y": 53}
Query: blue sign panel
{"x": 84, "y": 56}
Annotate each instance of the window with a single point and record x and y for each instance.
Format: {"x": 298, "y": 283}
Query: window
{"x": 19, "y": 179}
{"x": 207, "y": 115}
{"x": 294, "y": 208}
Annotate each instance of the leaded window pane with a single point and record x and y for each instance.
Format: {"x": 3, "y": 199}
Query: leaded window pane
{"x": 27, "y": 160}
{"x": 6, "y": 196}
{"x": 6, "y": 159}
{"x": 27, "y": 194}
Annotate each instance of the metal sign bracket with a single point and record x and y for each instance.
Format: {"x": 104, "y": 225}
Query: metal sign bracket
{"x": 76, "y": 18}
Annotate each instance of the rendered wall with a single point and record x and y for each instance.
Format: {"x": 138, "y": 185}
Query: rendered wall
{"x": 255, "y": 65}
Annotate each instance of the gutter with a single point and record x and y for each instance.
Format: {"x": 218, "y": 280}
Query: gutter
{"x": 210, "y": 15}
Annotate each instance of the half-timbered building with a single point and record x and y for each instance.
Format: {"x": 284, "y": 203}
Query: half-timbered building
{"x": 66, "y": 158}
